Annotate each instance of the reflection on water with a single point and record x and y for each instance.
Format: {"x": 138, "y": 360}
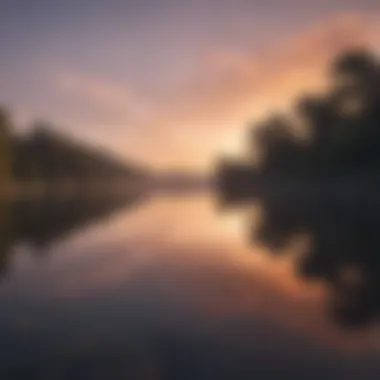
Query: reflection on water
{"x": 173, "y": 290}
{"x": 343, "y": 247}
{"x": 42, "y": 223}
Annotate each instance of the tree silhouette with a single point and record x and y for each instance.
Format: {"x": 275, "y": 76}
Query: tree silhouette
{"x": 5, "y": 146}
{"x": 323, "y": 182}
{"x": 340, "y": 129}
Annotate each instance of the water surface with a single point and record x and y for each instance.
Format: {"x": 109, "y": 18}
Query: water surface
{"x": 164, "y": 288}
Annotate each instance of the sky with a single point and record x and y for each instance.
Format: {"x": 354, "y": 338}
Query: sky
{"x": 170, "y": 83}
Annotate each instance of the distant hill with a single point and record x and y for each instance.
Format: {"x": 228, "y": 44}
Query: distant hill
{"x": 44, "y": 154}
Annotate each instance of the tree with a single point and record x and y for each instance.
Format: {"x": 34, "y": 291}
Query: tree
{"x": 5, "y": 147}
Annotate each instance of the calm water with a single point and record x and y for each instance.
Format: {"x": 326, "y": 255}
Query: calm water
{"x": 173, "y": 288}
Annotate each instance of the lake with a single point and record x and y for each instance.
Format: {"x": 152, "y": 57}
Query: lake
{"x": 175, "y": 287}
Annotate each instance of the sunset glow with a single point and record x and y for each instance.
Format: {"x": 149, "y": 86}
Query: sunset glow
{"x": 147, "y": 90}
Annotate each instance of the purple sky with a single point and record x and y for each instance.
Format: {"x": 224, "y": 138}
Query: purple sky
{"x": 162, "y": 81}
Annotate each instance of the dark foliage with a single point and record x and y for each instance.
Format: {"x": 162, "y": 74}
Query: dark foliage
{"x": 342, "y": 127}
{"x": 318, "y": 174}
{"x": 47, "y": 155}
{"x": 43, "y": 154}
{"x": 327, "y": 137}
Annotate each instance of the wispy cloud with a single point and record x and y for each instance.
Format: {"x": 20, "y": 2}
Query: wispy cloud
{"x": 100, "y": 92}
{"x": 185, "y": 122}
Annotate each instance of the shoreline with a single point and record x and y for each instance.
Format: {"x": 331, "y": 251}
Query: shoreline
{"x": 40, "y": 190}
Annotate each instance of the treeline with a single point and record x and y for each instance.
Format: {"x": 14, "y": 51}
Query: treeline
{"x": 315, "y": 173}
{"x": 45, "y": 155}
{"x": 341, "y": 128}
{"x": 328, "y": 136}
